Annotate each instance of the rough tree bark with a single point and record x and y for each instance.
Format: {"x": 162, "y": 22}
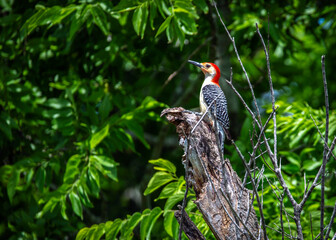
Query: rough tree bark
{"x": 220, "y": 196}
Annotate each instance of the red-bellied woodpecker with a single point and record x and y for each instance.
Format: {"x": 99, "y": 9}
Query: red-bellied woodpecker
{"x": 212, "y": 94}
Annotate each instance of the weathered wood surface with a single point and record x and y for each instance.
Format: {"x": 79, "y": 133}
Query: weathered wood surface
{"x": 218, "y": 187}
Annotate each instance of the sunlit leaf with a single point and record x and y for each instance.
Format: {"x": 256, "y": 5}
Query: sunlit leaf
{"x": 99, "y": 136}
{"x": 163, "y": 26}
{"x": 76, "y": 204}
{"x": 112, "y": 229}
{"x": 163, "y": 165}
{"x": 171, "y": 225}
{"x": 148, "y": 222}
{"x": 173, "y": 200}
{"x": 158, "y": 180}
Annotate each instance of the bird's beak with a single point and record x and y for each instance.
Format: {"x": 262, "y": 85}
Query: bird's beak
{"x": 197, "y": 64}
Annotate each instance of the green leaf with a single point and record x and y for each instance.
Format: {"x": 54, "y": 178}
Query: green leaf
{"x": 105, "y": 161}
{"x": 99, "y": 18}
{"x": 164, "y": 25}
{"x": 12, "y": 183}
{"x": 105, "y": 107}
{"x": 144, "y": 18}
{"x": 46, "y": 16}
{"x": 48, "y": 207}
{"x": 109, "y": 165}
{"x": 137, "y": 18}
{"x": 100, "y": 165}
{"x": 40, "y": 178}
{"x": 172, "y": 201}
{"x": 64, "y": 112}
{"x": 57, "y": 103}
{"x": 72, "y": 170}
{"x": 82, "y": 234}
{"x": 131, "y": 223}
{"x": 172, "y": 188}
{"x": 170, "y": 33}
{"x": 163, "y": 165}
{"x": 148, "y": 222}
{"x": 84, "y": 197}
{"x": 150, "y": 103}
{"x": 159, "y": 179}
{"x": 61, "y": 123}
{"x": 92, "y": 181}
{"x": 63, "y": 208}
{"x": 124, "y": 139}
{"x": 98, "y": 233}
{"x": 171, "y": 225}
{"x": 202, "y": 5}
{"x": 99, "y": 136}
{"x": 178, "y": 32}
{"x": 138, "y": 131}
{"x": 152, "y": 13}
{"x": 112, "y": 229}
{"x": 310, "y": 165}
{"x": 77, "y": 21}
{"x": 292, "y": 157}
{"x": 168, "y": 190}
{"x": 76, "y": 204}
{"x": 126, "y": 5}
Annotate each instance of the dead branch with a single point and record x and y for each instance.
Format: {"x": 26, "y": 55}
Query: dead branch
{"x": 188, "y": 226}
{"x": 217, "y": 187}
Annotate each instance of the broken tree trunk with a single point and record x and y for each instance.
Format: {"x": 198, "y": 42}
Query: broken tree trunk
{"x": 220, "y": 196}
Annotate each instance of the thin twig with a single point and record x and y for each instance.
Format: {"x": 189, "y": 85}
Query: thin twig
{"x": 272, "y": 92}
{"x": 330, "y": 223}
{"x": 250, "y": 205}
{"x": 239, "y": 60}
{"x": 270, "y": 153}
{"x": 323, "y": 139}
{"x": 318, "y": 235}
{"x": 278, "y": 231}
{"x": 254, "y": 187}
{"x": 281, "y": 220}
{"x": 334, "y": 237}
{"x": 207, "y": 110}
{"x": 171, "y": 76}
{"x": 325, "y": 144}
{"x": 184, "y": 202}
{"x": 311, "y": 226}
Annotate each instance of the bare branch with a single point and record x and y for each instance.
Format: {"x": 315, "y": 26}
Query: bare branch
{"x": 206, "y": 176}
{"x": 334, "y": 237}
{"x": 238, "y": 57}
{"x": 325, "y": 144}
{"x": 272, "y": 92}
{"x": 171, "y": 76}
{"x": 324, "y": 141}
{"x": 330, "y": 223}
{"x": 184, "y": 202}
{"x": 189, "y": 227}
{"x": 254, "y": 187}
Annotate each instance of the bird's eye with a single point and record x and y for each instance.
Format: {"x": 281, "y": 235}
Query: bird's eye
{"x": 207, "y": 65}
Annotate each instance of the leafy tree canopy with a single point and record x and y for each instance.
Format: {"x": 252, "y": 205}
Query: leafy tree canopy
{"x": 83, "y": 83}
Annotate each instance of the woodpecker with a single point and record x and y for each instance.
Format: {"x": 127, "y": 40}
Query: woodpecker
{"x": 211, "y": 93}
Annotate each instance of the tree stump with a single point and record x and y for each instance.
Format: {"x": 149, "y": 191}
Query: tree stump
{"x": 224, "y": 202}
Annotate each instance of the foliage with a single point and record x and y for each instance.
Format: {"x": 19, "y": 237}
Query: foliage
{"x": 172, "y": 191}
{"x": 301, "y": 151}
{"x": 82, "y": 83}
